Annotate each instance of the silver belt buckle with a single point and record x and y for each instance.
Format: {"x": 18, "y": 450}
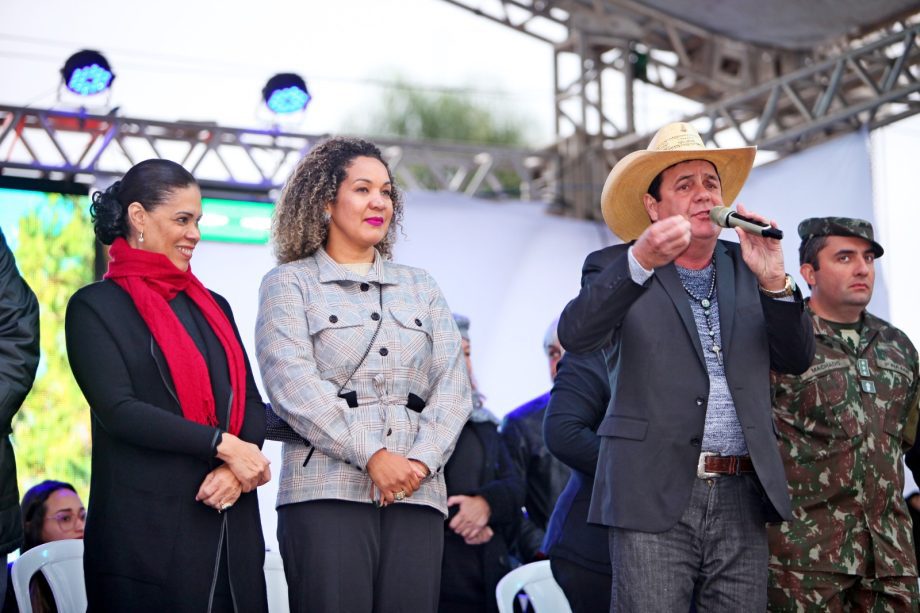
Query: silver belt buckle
{"x": 701, "y": 466}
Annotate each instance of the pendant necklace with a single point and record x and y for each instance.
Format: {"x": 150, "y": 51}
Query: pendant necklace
{"x": 706, "y": 303}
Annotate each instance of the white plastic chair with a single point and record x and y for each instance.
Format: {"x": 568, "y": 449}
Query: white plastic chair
{"x": 62, "y": 564}
{"x": 536, "y": 580}
{"x": 276, "y": 583}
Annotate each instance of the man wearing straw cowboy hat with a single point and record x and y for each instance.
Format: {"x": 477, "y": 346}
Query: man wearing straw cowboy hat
{"x": 689, "y": 472}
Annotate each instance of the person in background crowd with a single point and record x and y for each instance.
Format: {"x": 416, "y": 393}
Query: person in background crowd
{"x": 844, "y": 425}
{"x": 51, "y": 511}
{"x": 19, "y": 352}
{"x": 577, "y": 550}
{"x": 177, "y": 420}
{"x": 484, "y": 500}
{"x": 690, "y": 326}
{"x": 544, "y": 476}
{"x": 362, "y": 359}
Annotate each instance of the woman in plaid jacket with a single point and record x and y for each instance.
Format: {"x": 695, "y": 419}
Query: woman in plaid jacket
{"x": 361, "y": 357}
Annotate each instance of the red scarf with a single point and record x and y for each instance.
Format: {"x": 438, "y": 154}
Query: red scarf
{"x": 151, "y": 279}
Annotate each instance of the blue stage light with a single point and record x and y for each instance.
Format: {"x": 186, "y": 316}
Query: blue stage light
{"x": 286, "y": 93}
{"x": 288, "y": 100}
{"x": 87, "y": 72}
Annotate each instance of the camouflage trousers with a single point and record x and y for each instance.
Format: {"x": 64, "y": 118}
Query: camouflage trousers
{"x": 794, "y": 591}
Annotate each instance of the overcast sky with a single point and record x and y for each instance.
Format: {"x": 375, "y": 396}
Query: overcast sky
{"x": 208, "y": 61}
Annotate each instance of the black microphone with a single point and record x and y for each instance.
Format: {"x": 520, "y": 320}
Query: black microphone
{"x": 727, "y": 218}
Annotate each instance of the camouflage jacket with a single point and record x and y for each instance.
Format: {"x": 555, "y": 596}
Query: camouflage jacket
{"x": 843, "y": 428}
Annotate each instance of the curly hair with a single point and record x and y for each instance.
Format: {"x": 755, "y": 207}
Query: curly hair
{"x": 298, "y": 224}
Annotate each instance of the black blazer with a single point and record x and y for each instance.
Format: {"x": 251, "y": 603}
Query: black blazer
{"x": 576, "y": 408}
{"x": 483, "y": 565}
{"x": 653, "y": 430}
{"x": 149, "y": 546}
{"x": 19, "y": 351}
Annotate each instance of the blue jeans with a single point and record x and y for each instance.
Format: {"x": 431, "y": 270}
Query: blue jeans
{"x": 716, "y": 554}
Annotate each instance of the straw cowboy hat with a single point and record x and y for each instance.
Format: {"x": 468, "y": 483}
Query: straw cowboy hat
{"x": 621, "y": 200}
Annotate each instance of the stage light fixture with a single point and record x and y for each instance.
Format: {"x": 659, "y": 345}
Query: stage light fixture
{"x": 286, "y": 93}
{"x": 87, "y": 73}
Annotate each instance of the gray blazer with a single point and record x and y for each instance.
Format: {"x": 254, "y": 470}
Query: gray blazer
{"x": 652, "y": 432}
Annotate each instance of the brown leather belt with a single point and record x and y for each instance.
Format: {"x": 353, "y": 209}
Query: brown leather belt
{"x": 713, "y": 465}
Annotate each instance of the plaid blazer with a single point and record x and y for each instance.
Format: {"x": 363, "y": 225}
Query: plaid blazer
{"x": 316, "y": 320}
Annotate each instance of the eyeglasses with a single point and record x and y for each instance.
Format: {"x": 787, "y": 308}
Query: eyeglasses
{"x": 67, "y": 520}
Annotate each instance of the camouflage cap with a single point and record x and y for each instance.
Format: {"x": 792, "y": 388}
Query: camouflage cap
{"x": 839, "y": 226}
{"x": 463, "y": 322}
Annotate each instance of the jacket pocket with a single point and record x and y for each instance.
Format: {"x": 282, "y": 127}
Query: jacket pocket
{"x": 338, "y": 335}
{"x": 825, "y": 401}
{"x": 415, "y": 335}
{"x": 623, "y": 427}
{"x": 893, "y": 384}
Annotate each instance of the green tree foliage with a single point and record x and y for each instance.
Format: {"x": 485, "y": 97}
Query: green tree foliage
{"x": 51, "y": 432}
{"x": 455, "y": 116}
{"x": 451, "y": 116}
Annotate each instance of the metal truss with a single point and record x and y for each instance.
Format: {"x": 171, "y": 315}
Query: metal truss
{"x": 777, "y": 99}
{"x": 87, "y": 148}
{"x": 866, "y": 87}
{"x": 677, "y": 56}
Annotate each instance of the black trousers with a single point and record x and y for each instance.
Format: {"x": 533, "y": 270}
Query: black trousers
{"x": 353, "y": 557}
{"x": 586, "y": 590}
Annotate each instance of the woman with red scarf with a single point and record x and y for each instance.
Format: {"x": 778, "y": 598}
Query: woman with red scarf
{"x": 177, "y": 422}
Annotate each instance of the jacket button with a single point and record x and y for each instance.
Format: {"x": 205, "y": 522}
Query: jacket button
{"x": 333, "y": 319}
{"x": 384, "y": 351}
{"x": 418, "y": 322}
{"x": 365, "y": 287}
{"x": 699, "y": 402}
{"x": 389, "y": 431}
{"x": 696, "y": 442}
{"x": 375, "y": 316}
{"x": 347, "y": 462}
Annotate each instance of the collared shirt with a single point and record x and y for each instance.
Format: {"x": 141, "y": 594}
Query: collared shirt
{"x": 844, "y": 426}
{"x": 316, "y": 320}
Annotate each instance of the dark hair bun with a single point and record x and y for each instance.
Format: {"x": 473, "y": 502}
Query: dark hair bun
{"x": 108, "y": 214}
{"x": 148, "y": 183}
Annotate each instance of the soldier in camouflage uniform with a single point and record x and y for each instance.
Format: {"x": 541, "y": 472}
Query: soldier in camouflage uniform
{"x": 843, "y": 427}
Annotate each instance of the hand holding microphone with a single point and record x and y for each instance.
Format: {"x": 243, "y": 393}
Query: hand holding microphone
{"x": 760, "y": 245}
{"x": 727, "y": 218}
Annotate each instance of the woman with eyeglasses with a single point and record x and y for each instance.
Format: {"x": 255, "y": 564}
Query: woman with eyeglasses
{"x": 362, "y": 358}
{"x": 177, "y": 420}
{"x": 51, "y": 511}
